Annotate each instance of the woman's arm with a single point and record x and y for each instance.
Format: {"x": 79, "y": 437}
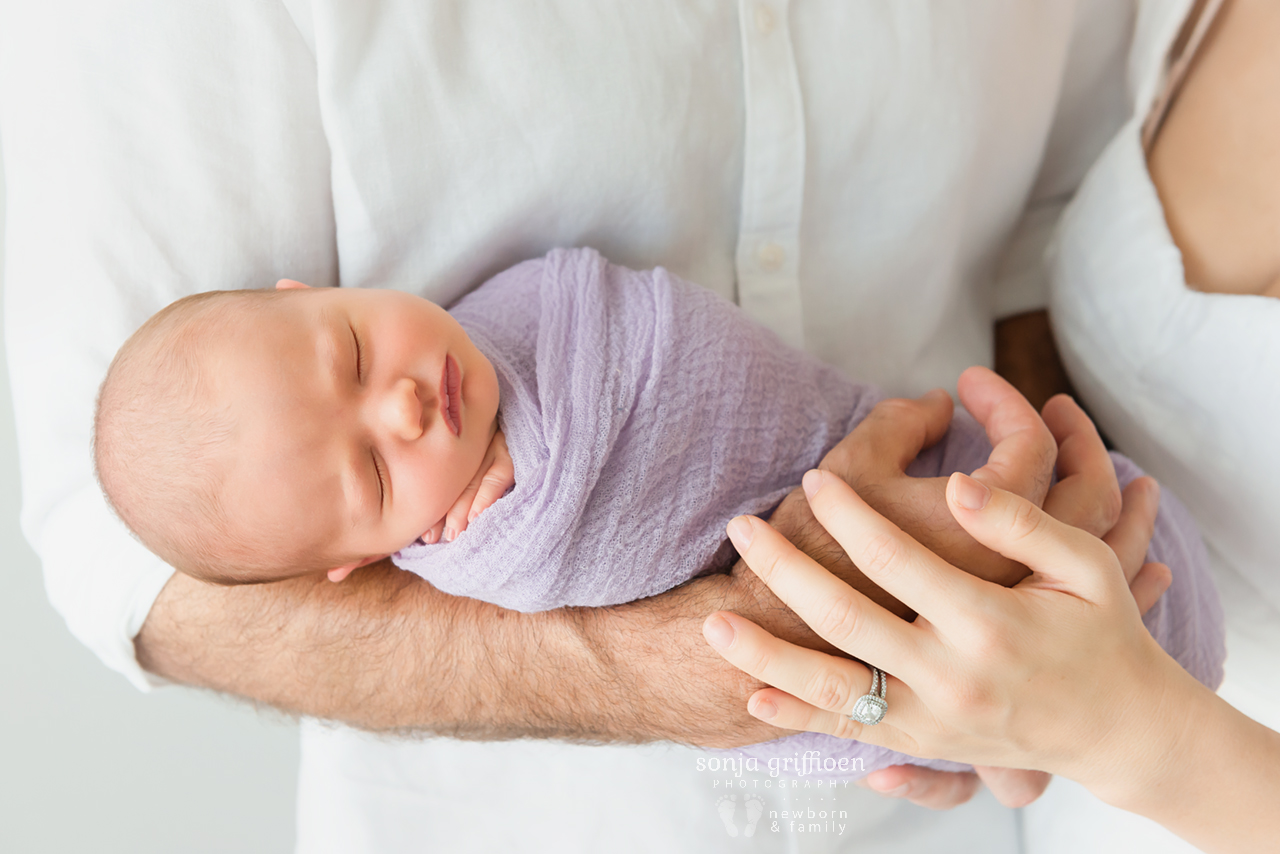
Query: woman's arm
{"x": 1057, "y": 673}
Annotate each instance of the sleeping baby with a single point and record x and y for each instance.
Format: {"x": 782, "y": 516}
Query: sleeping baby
{"x": 571, "y": 433}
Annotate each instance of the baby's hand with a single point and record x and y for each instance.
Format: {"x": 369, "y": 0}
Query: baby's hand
{"x": 495, "y": 476}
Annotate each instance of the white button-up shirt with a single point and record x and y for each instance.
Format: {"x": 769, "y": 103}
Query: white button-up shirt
{"x": 852, "y": 173}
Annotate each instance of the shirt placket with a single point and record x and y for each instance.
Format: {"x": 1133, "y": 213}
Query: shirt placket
{"x": 768, "y": 253}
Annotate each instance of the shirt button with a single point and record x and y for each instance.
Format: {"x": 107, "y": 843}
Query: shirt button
{"x": 771, "y": 256}
{"x": 765, "y": 21}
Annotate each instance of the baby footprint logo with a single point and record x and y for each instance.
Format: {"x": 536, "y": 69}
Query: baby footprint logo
{"x": 755, "y": 808}
{"x": 726, "y": 806}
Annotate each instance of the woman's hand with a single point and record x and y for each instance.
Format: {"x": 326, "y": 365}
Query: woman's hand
{"x": 1057, "y": 673}
{"x": 1036, "y": 676}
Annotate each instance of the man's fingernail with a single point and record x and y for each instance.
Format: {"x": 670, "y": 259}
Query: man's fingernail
{"x": 812, "y": 482}
{"x": 718, "y": 631}
{"x": 969, "y": 493}
{"x": 740, "y": 532}
{"x": 765, "y": 710}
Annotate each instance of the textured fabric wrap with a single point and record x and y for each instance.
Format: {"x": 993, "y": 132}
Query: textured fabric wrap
{"x": 643, "y": 412}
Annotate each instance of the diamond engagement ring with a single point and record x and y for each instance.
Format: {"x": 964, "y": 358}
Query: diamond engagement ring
{"x": 870, "y": 707}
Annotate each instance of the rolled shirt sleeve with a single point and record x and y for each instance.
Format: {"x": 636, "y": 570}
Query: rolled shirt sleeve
{"x": 152, "y": 150}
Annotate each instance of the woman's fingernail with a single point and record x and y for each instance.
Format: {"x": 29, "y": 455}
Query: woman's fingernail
{"x": 449, "y": 534}
{"x": 897, "y": 791}
{"x": 718, "y": 631}
{"x": 812, "y": 482}
{"x": 740, "y": 532}
{"x": 765, "y": 710}
{"x": 970, "y": 494}
{"x": 938, "y": 394}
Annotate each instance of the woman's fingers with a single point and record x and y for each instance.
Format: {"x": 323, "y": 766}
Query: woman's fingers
{"x": 1019, "y": 530}
{"x": 1149, "y": 585}
{"x": 1131, "y": 535}
{"x": 888, "y": 556}
{"x": 787, "y": 711}
{"x": 1023, "y": 450}
{"x": 823, "y": 680}
{"x": 841, "y": 615}
{"x": 1086, "y": 494}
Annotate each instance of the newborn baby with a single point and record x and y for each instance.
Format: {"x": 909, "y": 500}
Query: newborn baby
{"x": 250, "y": 436}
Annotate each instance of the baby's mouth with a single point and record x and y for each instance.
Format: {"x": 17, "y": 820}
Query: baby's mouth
{"x": 451, "y": 396}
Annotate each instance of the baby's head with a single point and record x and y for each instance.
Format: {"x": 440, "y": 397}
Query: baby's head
{"x": 250, "y": 436}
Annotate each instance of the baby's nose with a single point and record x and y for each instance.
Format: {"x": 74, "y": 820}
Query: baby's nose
{"x": 401, "y": 412}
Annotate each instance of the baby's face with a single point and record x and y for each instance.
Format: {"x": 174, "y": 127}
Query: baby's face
{"x": 360, "y": 416}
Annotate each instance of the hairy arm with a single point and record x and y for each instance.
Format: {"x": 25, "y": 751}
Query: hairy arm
{"x": 386, "y": 651}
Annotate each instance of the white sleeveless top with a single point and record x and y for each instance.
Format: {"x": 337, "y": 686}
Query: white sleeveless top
{"x": 1186, "y": 383}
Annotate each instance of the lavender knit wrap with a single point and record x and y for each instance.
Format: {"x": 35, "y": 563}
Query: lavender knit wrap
{"x": 643, "y": 412}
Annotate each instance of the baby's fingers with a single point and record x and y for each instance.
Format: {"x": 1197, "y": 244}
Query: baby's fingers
{"x": 500, "y": 477}
{"x": 433, "y": 533}
{"x": 456, "y": 520}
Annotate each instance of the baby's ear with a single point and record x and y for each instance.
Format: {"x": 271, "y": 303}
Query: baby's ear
{"x": 289, "y": 284}
{"x": 336, "y": 575}
{"x": 340, "y": 573}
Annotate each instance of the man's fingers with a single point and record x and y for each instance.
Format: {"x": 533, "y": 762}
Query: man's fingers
{"x": 1013, "y": 787}
{"x": 1086, "y": 494}
{"x": 924, "y": 787}
{"x": 1023, "y": 450}
{"x": 841, "y": 615}
{"x": 1149, "y": 585}
{"x": 888, "y": 439}
{"x": 1131, "y": 536}
{"x": 1016, "y": 528}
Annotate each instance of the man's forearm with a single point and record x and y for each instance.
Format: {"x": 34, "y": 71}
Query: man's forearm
{"x": 385, "y": 651}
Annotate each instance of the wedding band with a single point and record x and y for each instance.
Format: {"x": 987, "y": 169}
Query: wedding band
{"x": 871, "y": 707}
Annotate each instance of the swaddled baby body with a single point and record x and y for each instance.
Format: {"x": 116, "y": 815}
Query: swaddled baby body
{"x": 641, "y": 414}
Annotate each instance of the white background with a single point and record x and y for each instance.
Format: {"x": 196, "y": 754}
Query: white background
{"x": 88, "y": 764}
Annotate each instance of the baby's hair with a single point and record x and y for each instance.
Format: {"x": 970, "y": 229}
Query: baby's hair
{"x": 160, "y": 438}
